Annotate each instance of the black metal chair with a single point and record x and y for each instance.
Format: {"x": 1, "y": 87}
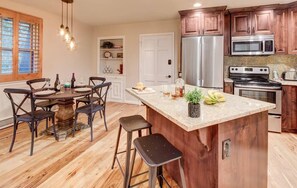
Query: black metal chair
{"x": 93, "y": 81}
{"x": 156, "y": 151}
{"x": 33, "y": 117}
{"x": 91, "y": 108}
{"x": 39, "y": 85}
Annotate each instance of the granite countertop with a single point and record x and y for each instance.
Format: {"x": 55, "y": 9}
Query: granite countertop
{"x": 287, "y": 83}
{"x": 228, "y": 80}
{"x": 177, "y": 110}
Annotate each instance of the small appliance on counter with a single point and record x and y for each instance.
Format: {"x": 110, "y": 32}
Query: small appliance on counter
{"x": 290, "y": 75}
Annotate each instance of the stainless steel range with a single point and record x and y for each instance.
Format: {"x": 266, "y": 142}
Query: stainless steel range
{"x": 253, "y": 82}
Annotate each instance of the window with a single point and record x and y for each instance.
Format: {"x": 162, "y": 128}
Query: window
{"x": 20, "y": 46}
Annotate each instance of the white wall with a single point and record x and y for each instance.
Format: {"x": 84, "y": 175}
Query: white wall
{"x": 131, "y": 33}
{"x": 56, "y": 57}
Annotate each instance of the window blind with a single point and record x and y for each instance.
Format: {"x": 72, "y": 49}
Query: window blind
{"x": 20, "y": 46}
{"x": 6, "y": 45}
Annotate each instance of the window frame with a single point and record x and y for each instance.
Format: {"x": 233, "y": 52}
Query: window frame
{"x": 17, "y": 18}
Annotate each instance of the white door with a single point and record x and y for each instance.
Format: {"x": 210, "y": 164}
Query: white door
{"x": 157, "y": 59}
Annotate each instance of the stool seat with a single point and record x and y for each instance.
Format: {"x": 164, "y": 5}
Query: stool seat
{"x": 134, "y": 123}
{"x": 156, "y": 150}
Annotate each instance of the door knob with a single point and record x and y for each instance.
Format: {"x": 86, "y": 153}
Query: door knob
{"x": 169, "y": 76}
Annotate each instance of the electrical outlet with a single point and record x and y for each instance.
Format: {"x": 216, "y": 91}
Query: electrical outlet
{"x": 226, "y": 147}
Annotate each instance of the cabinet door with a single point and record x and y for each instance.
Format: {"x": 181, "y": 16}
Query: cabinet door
{"x": 212, "y": 23}
{"x": 292, "y": 30}
{"x": 280, "y": 31}
{"x": 117, "y": 90}
{"x": 262, "y": 22}
{"x": 289, "y": 108}
{"x": 241, "y": 24}
{"x": 191, "y": 25}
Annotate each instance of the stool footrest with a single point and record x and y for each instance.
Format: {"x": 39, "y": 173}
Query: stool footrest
{"x": 136, "y": 175}
{"x": 139, "y": 183}
{"x": 132, "y": 149}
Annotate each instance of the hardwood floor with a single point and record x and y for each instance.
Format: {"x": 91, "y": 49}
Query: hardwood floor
{"x": 77, "y": 162}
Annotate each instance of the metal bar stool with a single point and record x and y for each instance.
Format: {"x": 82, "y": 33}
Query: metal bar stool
{"x": 156, "y": 151}
{"x": 130, "y": 124}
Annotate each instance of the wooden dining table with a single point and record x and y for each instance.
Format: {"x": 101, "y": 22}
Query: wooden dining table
{"x": 65, "y": 113}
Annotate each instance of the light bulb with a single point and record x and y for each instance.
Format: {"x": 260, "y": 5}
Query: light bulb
{"x": 62, "y": 30}
{"x": 67, "y": 36}
{"x": 197, "y": 4}
{"x": 72, "y": 44}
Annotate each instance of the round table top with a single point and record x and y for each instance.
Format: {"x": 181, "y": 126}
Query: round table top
{"x": 68, "y": 93}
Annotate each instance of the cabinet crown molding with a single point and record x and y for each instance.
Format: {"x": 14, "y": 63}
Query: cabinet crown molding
{"x": 202, "y": 10}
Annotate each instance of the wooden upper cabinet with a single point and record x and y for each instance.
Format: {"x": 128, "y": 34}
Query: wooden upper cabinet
{"x": 241, "y": 24}
{"x": 191, "y": 25}
{"x": 292, "y": 30}
{"x": 252, "y": 23}
{"x": 280, "y": 31}
{"x": 206, "y": 21}
{"x": 262, "y": 22}
{"x": 212, "y": 23}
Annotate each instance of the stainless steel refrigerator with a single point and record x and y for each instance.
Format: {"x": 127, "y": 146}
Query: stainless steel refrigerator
{"x": 202, "y": 61}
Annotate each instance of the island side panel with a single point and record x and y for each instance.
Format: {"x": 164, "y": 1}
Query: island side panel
{"x": 247, "y": 165}
{"x": 199, "y": 148}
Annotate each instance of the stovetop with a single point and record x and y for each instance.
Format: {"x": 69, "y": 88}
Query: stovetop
{"x": 252, "y": 77}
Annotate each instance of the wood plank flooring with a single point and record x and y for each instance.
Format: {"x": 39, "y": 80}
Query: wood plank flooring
{"x": 77, "y": 162}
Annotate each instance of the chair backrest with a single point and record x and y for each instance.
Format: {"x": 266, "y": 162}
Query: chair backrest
{"x": 95, "y": 80}
{"x": 38, "y": 84}
{"x": 18, "y": 107}
{"x": 101, "y": 90}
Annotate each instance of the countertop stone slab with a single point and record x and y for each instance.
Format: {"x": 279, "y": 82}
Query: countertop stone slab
{"x": 176, "y": 110}
{"x": 287, "y": 83}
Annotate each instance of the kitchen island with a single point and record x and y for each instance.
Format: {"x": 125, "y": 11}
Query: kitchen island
{"x": 225, "y": 147}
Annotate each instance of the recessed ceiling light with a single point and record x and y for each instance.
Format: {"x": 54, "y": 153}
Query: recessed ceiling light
{"x": 197, "y": 5}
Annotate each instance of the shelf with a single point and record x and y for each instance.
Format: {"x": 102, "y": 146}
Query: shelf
{"x": 111, "y": 59}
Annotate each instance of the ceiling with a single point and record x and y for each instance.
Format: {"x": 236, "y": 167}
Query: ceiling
{"x": 107, "y": 12}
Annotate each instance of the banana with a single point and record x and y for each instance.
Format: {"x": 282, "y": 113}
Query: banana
{"x": 214, "y": 97}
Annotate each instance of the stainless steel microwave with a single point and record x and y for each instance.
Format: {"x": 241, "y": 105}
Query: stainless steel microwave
{"x": 252, "y": 45}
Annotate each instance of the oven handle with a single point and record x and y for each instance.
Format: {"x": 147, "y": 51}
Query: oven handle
{"x": 258, "y": 89}
{"x": 236, "y": 90}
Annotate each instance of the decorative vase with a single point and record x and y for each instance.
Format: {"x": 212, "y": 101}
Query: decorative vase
{"x": 194, "y": 110}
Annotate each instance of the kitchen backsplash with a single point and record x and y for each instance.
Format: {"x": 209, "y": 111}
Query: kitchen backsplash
{"x": 280, "y": 63}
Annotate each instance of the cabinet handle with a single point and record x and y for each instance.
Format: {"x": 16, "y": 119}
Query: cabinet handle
{"x": 248, "y": 30}
{"x": 253, "y": 30}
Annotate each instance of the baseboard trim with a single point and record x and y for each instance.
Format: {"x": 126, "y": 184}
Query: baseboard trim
{"x": 6, "y": 123}
{"x": 133, "y": 102}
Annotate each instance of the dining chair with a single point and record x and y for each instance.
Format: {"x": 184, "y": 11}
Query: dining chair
{"x": 20, "y": 114}
{"x": 94, "y": 106}
{"x": 39, "y": 85}
{"x": 94, "y": 80}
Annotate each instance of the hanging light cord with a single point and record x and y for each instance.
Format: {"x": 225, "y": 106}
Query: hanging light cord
{"x": 62, "y": 12}
{"x": 72, "y": 18}
{"x": 67, "y": 15}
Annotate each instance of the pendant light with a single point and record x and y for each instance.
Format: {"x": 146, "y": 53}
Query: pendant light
{"x": 65, "y": 32}
{"x": 62, "y": 28}
{"x": 72, "y": 44}
{"x": 67, "y": 35}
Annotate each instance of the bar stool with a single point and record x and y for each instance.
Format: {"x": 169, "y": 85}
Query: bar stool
{"x": 130, "y": 124}
{"x": 156, "y": 151}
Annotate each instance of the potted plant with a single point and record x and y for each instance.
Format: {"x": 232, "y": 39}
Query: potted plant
{"x": 193, "y": 98}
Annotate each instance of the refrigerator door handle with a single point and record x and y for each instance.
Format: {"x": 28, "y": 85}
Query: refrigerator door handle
{"x": 200, "y": 62}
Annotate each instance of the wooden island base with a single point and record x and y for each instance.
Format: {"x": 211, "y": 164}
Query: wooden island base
{"x": 202, "y": 151}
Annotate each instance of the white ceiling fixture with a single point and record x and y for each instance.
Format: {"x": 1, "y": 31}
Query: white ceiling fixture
{"x": 197, "y": 5}
{"x": 107, "y": 12}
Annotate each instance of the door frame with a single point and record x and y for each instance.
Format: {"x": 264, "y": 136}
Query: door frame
{"x": 173, "y": 52}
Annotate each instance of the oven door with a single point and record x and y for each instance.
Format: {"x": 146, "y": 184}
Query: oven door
{"x": 266, "y": 95}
